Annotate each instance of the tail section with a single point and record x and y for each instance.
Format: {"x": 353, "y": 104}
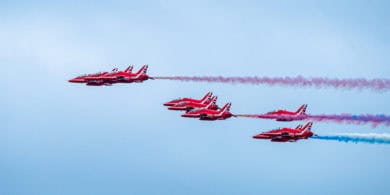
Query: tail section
{"x": 226, "y": 108}
{"x": 114, "y": 70}
{"x": 302, "y": 109}
{"x": 212, "y": 102}
{"x": 307, "y": 127}
{"x": 129, "y": 69}
{"x": 207, "y": 99}
{"x": 306, "y": 130}
{"x": 299, "y": 127}
{"x": 142, "y": 70}
{"x": 208, "y": 94}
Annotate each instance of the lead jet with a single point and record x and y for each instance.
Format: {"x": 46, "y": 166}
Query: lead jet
{"x": 284, "y": 115}
{"x": 209, "y": 114}
{"x": 287, "y": 134}
{"x": 120, "y": 77}
{"x": 179, "y": 100}
{"x": 209, "y": 102}
{"x": 91, "y": 77}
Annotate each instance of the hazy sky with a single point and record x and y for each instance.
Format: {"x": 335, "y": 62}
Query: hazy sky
{"x": 63, "y": 138}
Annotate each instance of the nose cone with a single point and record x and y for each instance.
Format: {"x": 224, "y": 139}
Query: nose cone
{"x": 260, "y": 136}
{"x": 76, "y": 80}
{"x": 171, "y": 103}
{"x": 168, "y": 104}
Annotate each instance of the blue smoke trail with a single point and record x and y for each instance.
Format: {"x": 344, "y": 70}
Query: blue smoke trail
{"x": 371, "y": 138}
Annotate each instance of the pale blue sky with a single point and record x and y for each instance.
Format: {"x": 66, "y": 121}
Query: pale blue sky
{"x": 62, "y": 138}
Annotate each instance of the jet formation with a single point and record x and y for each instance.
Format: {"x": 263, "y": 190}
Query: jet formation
{"x": 113, "y": 77}
{"x": 287, "y": 134}
{"x": 205, "y": 108}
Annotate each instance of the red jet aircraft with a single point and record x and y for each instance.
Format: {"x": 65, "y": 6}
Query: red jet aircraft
{"x": 209, "y": 102}
{"x": 88, "y": 77}
{"x": 210, "y": 115}
{"x": 179, "y": 100}
{"x": 120, "y": 77}
{"x": 284, "y": 115}
{"x": 287, "y": 134}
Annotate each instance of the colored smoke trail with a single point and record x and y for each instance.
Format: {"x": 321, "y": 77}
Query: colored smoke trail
{"x": 360, "y": 83}
{"x": 362, "y": 119}
{"x": 374, "y": 120}
{"x": 372, "y": 138}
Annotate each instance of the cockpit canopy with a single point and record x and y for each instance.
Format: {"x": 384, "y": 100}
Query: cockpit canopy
{"x": 271, "y": 111}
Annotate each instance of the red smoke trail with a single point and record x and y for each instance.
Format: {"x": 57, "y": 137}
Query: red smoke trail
{"x": 374, "y": 84}
{"x": 374, "y": 120}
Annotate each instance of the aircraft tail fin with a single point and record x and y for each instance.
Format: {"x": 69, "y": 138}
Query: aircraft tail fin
{"x": 207, "y": 99}
{"x": 299, "y": 127}
{"x": 226, "y": 108}
{"x": 308, "y": 126}
{"x": 143, "y": 69}
{"x": 129, "y": 69}
{"x": 207, "y": 95}
{"x": 302, "y": 109}
{"x": 212, "y": 102}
